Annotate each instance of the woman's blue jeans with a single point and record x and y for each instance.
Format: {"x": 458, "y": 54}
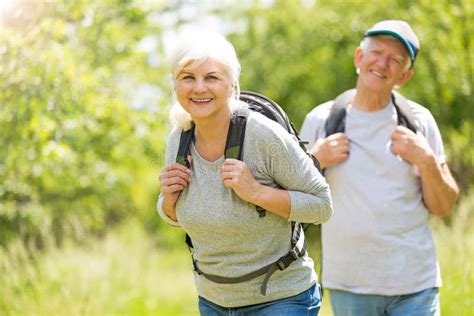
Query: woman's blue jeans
{"x": 306, "y": 303}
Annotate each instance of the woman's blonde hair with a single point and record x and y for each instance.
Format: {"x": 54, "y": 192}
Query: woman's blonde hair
{"x": 196, "y": 48}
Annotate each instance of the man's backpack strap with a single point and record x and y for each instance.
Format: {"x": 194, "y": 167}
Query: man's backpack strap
{"x": 298, "y": 249}
{"x": 336, "y": 120}
{"x": 184, "y": 145}
{"x": 405, "y": 116}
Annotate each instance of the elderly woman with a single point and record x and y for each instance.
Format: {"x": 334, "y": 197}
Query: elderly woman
{"x": 214, "y": 200}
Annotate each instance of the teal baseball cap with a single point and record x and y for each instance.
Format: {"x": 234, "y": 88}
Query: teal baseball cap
{"x": 400, "y": 30}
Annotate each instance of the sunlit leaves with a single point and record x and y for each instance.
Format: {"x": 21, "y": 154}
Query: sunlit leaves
{"x": 70, "y": 150}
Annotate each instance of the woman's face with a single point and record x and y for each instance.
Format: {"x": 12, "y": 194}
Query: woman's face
{"x": 204, "y": 90}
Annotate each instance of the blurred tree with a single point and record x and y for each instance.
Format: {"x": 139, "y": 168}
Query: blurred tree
{"x": 301, "y": 54}
{"x": 75, "y": 155}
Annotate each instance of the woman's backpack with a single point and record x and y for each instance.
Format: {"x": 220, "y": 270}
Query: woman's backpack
{"x": 234, "y": 145}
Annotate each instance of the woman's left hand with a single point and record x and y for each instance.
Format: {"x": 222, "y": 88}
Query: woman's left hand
{"x": 237, "y": 176}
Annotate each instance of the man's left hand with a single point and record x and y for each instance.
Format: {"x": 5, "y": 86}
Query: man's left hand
{"x": 412, "y": 147}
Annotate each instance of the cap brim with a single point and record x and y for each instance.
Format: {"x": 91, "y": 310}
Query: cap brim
{"x": 399, "y": 37}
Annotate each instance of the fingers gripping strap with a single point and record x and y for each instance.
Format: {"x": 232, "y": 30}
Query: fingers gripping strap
{"x": 184, "y": 143}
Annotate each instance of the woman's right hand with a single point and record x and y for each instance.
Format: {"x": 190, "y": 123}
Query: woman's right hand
{"x": 173, "y": 179}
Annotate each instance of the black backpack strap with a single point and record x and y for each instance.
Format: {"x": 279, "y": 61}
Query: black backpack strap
{"x": 189, "y": 242}
{"x": 405, "y": 116}
{"x": 235, "y": 140}
{"x": 184, "y": 144}
{"x": 336, "y": 121}
{"x": 236, "y": 134}
{"x": 298, "y": 250}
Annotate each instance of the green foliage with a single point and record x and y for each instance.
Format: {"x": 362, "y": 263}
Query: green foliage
{"x": 76, "y": 156}
{"x": 301, "y": 54}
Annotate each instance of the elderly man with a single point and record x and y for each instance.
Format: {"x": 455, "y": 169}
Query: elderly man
{"x": 384, "y": 161}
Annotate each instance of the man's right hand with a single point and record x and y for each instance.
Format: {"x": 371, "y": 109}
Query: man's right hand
{"x": 331, "y": 150}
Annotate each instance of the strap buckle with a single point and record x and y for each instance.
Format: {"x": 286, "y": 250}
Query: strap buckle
{"x": 294, "y": 254}
{"x": 281, "y": 265}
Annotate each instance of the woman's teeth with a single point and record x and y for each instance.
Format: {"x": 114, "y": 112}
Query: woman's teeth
{"x": 201, "y": 100}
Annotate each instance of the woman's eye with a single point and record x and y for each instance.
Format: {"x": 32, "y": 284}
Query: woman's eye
{"x": 211, "y": 77}
{"x": 187, "y": 77}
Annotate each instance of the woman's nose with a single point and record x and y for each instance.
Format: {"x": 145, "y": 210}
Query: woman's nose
{"x": 200, "y": 85}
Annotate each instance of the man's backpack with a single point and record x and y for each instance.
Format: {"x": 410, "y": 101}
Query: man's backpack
{"x": 234, "y": 147}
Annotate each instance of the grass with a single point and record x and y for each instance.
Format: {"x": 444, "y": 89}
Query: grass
{"x": 123, "y": 274}
{"x": 130, "y": 273}
{"x": 455, "y": 249}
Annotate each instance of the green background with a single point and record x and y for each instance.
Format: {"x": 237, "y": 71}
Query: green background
{"x": 85, "y": 93}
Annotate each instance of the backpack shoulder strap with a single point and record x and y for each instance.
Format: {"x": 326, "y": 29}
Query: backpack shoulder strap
{"x": 235, "y": 140}
{"x": 405, "y": 115}
{"x": 236, "y": 134}
{"x": 335, "y": 123}
{"x": 184, "y": 143}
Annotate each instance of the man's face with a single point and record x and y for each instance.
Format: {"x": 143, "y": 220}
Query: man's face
{"x": 383, "y": 64}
